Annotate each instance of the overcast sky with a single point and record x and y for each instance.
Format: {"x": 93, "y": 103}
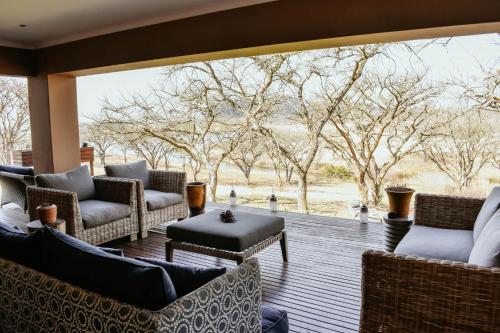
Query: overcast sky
{"x": 462, "y": 56}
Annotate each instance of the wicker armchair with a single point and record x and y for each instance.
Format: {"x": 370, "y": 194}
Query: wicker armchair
{"x": 14, "y": 188}
{"x": 163, "y": 181}
{"x": 110, "y": 190}
{"x": 411, "y": 294}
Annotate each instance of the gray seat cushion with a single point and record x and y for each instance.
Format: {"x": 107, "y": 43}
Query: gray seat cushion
{"x": 137, "y": 170}
{"x": 77, "y": 180}
{"x": 446, "y": 244}
{"x": 486, "y": 250}
{"x": 490, "y": 206}
{"x": 158, "y": 200}
{"x": 208, "y": 230}
{"x": 96, "y": 213}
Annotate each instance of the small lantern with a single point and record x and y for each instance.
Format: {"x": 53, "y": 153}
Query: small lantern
{"x": 273, "y": 203}
{"x": 363, "y": 214}
{"x": 232, "y": 198}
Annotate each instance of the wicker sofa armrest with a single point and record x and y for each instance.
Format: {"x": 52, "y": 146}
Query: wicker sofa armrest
{"x": 66, "y": 202}
{"x": 168, "y": 181}
{"x": 448, "y": 212}
{"x": 410, "y": 294}
{"x": 26, "y": 179}
{"x": 232, "y": 301}
{"x": 118, "y": 190}
{"x": 229, "y": 303}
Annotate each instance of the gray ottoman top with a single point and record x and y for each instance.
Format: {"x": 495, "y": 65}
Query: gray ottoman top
{"x": 208, "y": 230}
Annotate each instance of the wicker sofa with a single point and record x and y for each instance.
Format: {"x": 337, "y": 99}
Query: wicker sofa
{"x": 31, "y": 301}
{"x": 154, "y": 182}
{"x": 119, "y": 191}
{"x": 13, "y": 183}
{"x": 404, "y": 293}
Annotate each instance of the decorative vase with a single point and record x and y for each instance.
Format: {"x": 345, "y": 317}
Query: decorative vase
{"x": 47, "y": 213}
{"x": 399, "y": 201}
{"x": 197, "y": 197}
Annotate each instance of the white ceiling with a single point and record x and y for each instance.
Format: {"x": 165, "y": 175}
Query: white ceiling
{"x": 51, "y": 22}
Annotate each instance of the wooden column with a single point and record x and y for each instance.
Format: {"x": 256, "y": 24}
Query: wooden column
{"x": 54, "y": 123}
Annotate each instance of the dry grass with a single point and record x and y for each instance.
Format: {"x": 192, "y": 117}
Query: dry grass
{"x": 329, "y": 196}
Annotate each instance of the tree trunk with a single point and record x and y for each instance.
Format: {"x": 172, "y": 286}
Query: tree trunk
{"x": 125, "y": 156}
{"x": 102, "y": 157}
{"x": 247, "y": 175}
{"x": 376, "y": 192}
{"x": 363, "y": 188}
{"x": 302, "y": 193}
{"x": 212, "y": 183}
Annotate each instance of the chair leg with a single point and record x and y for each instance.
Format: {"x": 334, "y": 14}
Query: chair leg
{"x": 284, "y": 246}
{"x": 169, "y": 251}
{"x": 133, "y": 237}
{"x": 144, "y": 234}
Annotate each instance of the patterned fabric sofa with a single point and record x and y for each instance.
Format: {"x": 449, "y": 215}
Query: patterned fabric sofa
{"x": 31, "y": 301}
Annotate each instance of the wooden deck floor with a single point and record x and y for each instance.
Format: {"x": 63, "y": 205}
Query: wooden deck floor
{"x": 320, "y": 285}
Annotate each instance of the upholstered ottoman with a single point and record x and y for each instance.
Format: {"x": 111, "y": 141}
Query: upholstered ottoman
{"x": 239, "y": 240}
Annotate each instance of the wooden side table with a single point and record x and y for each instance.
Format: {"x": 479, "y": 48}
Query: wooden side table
{"x": 394, "y": 231}
{"x": 35, "y": 225}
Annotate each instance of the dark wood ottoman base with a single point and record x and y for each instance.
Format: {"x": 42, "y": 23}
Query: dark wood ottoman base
{"x": 239, "y": 257}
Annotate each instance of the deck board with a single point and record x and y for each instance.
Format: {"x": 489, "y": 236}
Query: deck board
{"x": 319, "y": 287}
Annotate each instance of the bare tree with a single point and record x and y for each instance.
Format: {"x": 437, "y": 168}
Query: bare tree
{"x": 247, "y": 153}
{"x": 280, "y": 165}
{"x": 152, "y": 150}
{"x": 14, "y": 117}
{"x": 99, "y": 137}
{"x": 389, "y": 114}
{"x": 469, "y": 144}
{"x": 335, "y": 71}
{"x": 481, "y": 93}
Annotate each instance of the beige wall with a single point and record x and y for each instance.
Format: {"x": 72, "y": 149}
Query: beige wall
{"x": 54, "y": 123}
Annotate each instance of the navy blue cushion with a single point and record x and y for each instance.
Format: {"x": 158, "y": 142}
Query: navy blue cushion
{"x": 274, "y": 320}
{"x": 127, "y": 280}
{"x": 20, "y": 247}
{"x": 187, "y": 278}
{"x": 116, "y": 252}
{"x": 17, "y": 170}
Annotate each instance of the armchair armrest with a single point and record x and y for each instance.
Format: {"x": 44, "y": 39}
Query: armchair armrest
{"x": 118, "y": 190}
{"x": 27, "y": 179}
{"x": 235, "y": 297}
{"x": 410, "y": 294}
{"x": 66, "y": 202}
{"x": 448, "y": 212}
{"x": 168, "y": 181}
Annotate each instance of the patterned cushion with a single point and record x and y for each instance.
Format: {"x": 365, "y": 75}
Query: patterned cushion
{"x": 158, "y": 200}
{"x": 486, "y": 250}
{"x": 127, "y": 280}
{"x": 137, "y": 170}
{"x": 20, "y": 247}
{"x": 490, "y": 205}
{"x": 77, "y": 180}
{"x": 186, "y": 278}
{"x": 274, "y": 320}
{"x": 96, "y": 213}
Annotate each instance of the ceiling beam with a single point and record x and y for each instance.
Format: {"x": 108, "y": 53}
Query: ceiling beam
{"x": 264, "y": 28}
{"x": 17, "y": 62}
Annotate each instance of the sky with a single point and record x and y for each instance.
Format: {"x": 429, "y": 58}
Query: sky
{"x": 461, "y": 57}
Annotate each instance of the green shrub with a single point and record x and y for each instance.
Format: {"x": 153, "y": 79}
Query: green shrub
{"x": 494, "y": 180}
{"x": 336, "y": 172}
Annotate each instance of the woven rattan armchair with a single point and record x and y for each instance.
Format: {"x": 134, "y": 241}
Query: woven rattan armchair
{"x": 412, "y": 294}
{"x": 14, "y": 188}
{"x": 163, "y": 181}
{"x": 121, "y": 191}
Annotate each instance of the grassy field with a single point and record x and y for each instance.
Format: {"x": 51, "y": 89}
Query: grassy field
{"x": 327, "y": 196}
